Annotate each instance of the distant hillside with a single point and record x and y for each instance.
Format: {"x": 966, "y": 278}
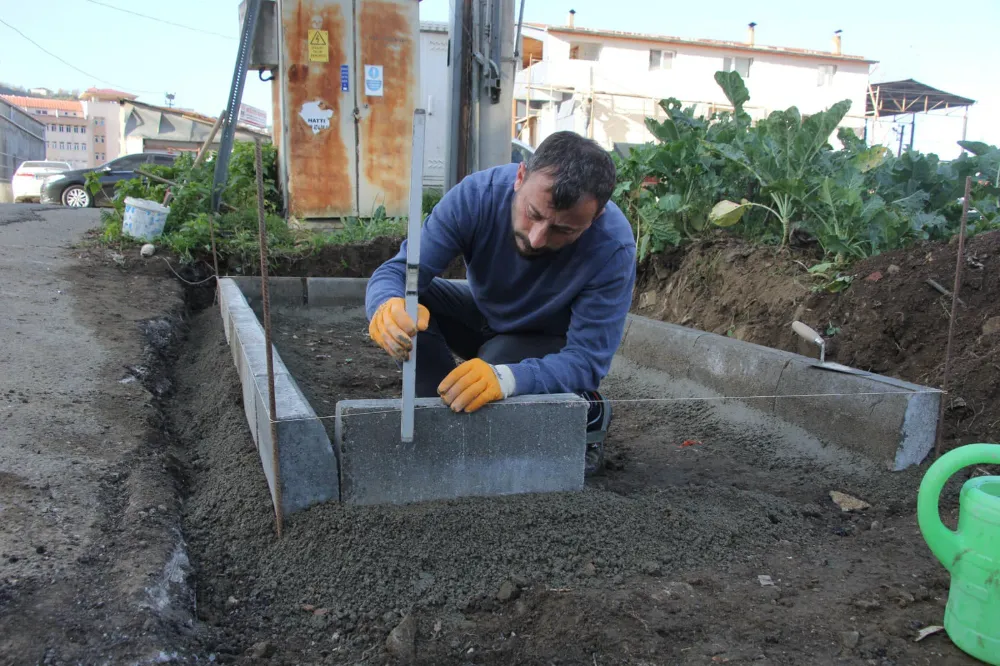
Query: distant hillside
{"x": 8, "y": 89}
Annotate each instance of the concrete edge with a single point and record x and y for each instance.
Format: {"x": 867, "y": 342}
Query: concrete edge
{"x": 305, "y": 453}
{"x": 492, "y": 452}
{"x": 896, "y": 427}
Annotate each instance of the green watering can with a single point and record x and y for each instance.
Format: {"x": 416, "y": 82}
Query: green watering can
{"x": 972, "y": 554}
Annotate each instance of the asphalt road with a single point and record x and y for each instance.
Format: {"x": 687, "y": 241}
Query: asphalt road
{"x": 73, "y": 423}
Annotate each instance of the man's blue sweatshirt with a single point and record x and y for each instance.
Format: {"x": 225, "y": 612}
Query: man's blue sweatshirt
{"x": 583, "y": 291}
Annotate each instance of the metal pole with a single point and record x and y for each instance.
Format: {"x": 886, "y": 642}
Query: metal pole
{"x": 913, "y": 129}
{"x": 954, "y": 313}
{"x": 233, "y": 105}
{"x": 413, "y": 267}
{"x": 265, "y": 297}
{"x": 517, "y": 40}
{"x": 476, "y": 91}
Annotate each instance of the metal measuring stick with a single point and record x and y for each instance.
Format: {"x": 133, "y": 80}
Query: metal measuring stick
{"x": 413, "y": 267}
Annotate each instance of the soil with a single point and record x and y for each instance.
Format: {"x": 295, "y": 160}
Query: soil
{"x": 656, "y": 561}
{"x": 888, "y": 321}
{"x": 137, "y": 526}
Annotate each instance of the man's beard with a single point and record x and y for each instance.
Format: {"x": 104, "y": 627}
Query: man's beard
{"x": 524, "y": 250}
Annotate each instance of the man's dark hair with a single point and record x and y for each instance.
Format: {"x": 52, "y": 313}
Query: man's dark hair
{"x": 577, "y": 165}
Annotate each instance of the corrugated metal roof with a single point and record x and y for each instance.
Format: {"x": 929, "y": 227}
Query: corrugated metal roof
{"x": 908, "y": 96}
{"x": 164, "y": 124}
{"x": 43, "y": 103}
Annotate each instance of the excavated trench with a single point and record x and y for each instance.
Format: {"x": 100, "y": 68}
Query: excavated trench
{"x": 657, "y": 560}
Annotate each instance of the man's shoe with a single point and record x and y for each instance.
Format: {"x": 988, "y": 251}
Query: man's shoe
{"x": 598, "y": 420}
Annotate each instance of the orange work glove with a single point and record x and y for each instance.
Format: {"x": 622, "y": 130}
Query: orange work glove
{"x": 470, "y": 386}
{"x": 393, "y": 330}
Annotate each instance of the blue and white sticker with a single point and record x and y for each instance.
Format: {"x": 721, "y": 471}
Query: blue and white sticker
{"x": 374, "y": 86}
{"x": 345, "y": 78}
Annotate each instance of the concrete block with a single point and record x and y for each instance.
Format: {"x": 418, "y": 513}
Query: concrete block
{"x": 659, "y": 345}
{"x": 889, "y": 420}
{"x": 307, "y": 466}
{"x": 736, "y": 368}
{"x": 327, "y": 292}
{"x": 230, "y": 296}
{"x": 527, "y": 444}
{"x": 284, "y": 291}
{"x": 897, "y": 430}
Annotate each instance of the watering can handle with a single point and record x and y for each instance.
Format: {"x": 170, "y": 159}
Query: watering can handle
{"x": 944, "y": 543}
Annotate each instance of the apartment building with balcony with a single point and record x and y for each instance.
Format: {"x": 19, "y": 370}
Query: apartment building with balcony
{"x": 604, "y": 84}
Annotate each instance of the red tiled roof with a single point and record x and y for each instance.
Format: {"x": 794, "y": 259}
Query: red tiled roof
{"x": 42, "y": 103}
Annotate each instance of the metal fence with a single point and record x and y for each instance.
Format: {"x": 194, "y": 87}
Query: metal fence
{"x": 22, "y": 138}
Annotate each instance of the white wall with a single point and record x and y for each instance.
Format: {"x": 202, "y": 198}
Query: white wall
{"x": 435, "y": 91}
{"x": 776, "y": 81}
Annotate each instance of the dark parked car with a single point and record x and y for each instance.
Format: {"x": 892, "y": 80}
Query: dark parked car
{"x": 68, "y": 188}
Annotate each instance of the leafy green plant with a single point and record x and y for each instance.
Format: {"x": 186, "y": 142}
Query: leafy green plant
{"x": 430, "y": 198}
{"x": 786, "y": 176}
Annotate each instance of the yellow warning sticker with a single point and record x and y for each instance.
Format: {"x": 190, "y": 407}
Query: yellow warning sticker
{"x": 319, "y": 46}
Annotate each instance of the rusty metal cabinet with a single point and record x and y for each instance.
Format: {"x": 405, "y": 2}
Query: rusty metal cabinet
{"x": 348, "y": 82}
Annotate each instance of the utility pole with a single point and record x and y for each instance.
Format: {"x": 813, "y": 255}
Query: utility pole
{"x": 482, "y": 81}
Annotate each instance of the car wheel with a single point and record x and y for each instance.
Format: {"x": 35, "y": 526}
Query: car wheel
{"x": 75, "y": 196}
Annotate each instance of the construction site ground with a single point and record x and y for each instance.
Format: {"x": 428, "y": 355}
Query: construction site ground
{"x": 137, "y": 526}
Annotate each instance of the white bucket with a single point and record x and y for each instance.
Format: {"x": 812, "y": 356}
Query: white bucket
{"x": 144, "y": 219}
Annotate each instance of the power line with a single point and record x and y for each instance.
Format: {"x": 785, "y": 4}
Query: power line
{"x": 159, "y": 20}
{"x": 71, "y": 65}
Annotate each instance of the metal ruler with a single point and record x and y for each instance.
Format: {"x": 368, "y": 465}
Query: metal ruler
{"x": 413, "y": 266}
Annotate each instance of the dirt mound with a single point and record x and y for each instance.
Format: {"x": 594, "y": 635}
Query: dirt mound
{"x": 888, "y": 321}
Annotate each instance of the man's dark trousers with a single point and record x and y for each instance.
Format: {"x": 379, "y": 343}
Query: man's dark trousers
{"x": 457, "y": 327}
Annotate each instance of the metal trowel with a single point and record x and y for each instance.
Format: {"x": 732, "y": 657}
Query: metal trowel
{"x": 809, "y": 335}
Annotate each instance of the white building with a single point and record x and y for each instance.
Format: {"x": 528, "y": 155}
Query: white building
{"x": 626, "y": 74}
{"x": 67, "y": 134}
{"x": 103, "y": 112}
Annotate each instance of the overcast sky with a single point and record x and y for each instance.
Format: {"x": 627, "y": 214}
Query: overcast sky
{"x": 952, "y": 47}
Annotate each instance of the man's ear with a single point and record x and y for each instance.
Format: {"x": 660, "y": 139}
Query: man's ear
{"x": 599, "y": 213}
{"x": 522, "y": 173}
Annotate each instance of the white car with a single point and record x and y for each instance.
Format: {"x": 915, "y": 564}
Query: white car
{"x": 27, "y": 182}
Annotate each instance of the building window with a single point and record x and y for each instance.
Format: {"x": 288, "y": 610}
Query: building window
{"x": 739, "y": 65}
{"x": 52, "y": 127}
{"x": 83, "y": 129}
{"x": 826, "y": 73}
{"x": 661, "y": 59}
{"x": 76, "y": 130}
{"x": 585, "y": 51}
{"x": 62, "y": 145}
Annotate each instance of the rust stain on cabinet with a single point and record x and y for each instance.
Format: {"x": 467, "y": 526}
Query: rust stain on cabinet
{"x": 321, "y": 178}
{"x": 388, "y": 38}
